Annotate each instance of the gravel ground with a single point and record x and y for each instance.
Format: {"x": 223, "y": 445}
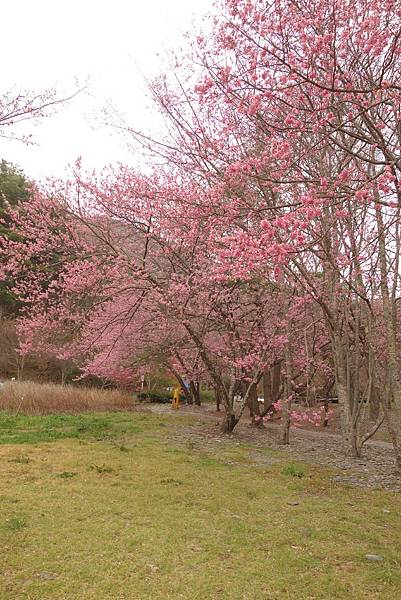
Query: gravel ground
{"x": 374, "y": 470}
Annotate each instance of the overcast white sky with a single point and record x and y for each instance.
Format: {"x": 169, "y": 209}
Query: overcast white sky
{"x": 46, "y": 43}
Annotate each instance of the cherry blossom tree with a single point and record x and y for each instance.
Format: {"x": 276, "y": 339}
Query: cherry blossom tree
{"x": 298, "y": 114}
{"x": 269, "y": 219}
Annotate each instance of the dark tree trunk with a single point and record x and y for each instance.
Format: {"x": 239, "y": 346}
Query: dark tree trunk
{"x": 195, "y": 392}
{"x": 267, "y": 389}
{"x": 254, "y": 409}
{"x": 326, "y": 412}
{"x": 288, "y": 390}
{"x": 217, "y": 398}
{"x": 374, "y": 404}
{"x": 229, "y": 422}
{"x": 271, "y": 387}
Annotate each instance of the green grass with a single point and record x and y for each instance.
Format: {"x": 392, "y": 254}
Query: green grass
{"x": 32, "y": 429}
{"x": 293, "y": 470}
{"x": 14, "y": 523}
{"x": 83, "y": 519}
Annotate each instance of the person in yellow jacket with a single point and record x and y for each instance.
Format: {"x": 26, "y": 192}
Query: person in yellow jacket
{"x": 176, "y": 398}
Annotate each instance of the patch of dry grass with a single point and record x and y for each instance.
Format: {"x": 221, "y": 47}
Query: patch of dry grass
{"x": 28, "y": 397}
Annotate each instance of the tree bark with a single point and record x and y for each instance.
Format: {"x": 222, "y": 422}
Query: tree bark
{"x": 392, "y": 413}
{"x": 271, "y": 387}
{"x": 217, "y": 399}
{"x": 228, "y": 423}
{"x": 194, "y": 389}
{"x": 286, "y": 422}
{"x": 254, "y": 409}
{"x": 349, "y": 426}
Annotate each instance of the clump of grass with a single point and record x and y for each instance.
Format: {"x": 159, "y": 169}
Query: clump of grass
{"x": 30, "y": 398}
{"x": 123, "y": 448}
{"x": 190, "y": 445}
{"x": 171, "y": 481}
{"x": 293, "y": 470}
{"x": 21, "y": 459}
{"x": 67, "y": 474}
{"x": 15, "y": 524}
{"x": 101, "y": 469}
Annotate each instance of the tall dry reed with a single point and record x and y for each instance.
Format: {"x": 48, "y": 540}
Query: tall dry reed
{"x": 28, "y": 397}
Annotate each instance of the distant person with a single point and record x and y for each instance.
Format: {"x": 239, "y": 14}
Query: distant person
{"x": 176, "y": 398}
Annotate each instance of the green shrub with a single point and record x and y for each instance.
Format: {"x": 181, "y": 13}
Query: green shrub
{"x": 157, "y": 396}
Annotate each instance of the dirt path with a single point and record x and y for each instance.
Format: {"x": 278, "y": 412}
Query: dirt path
{"x": 374, "y": 470}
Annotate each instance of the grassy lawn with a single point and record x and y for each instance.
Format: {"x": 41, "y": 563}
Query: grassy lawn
{"x": 105, "y": 506}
